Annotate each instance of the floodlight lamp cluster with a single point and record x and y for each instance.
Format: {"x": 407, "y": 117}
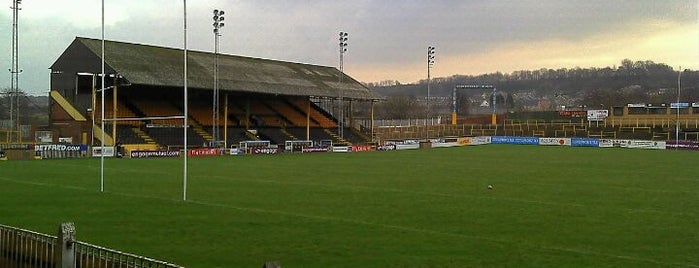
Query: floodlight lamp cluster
{"x": 430, "y": 55}
{"x": 218, "y": 20}
{"x": 343, "y": 42}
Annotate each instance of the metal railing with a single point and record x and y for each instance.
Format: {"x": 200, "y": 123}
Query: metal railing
{"x": 652, "y": 122}
{"x": 21, "y": 248}
{"x": 610, "y": 128}
{"x": 92, "y": 256}
{"x": 402, "y": 122}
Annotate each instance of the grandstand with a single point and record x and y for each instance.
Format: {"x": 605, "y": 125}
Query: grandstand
{"x": 260, "y": 98}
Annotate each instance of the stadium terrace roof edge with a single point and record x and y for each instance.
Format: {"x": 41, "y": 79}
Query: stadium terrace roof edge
{"x": 152, "y": 65}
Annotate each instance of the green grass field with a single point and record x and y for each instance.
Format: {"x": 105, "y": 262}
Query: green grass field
{"x": 550, "y": 207}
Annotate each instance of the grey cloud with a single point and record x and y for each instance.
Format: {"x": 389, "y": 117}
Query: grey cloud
{"x": 389, "y": 32}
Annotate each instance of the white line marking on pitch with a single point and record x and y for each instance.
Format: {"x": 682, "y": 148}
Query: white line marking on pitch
{"x": 365, "y": 223}
{"x": 378, "y": 189}
{"x": 434, "y": 232}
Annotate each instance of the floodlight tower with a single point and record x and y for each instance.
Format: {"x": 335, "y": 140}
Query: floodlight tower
{"x": 218, "y": 24}
{"x": 430, "y": 63}
{"x": 343, "y": 49}
{"x": 14, "y": 94}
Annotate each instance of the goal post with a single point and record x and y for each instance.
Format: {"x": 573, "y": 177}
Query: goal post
{"x": 297, "y": 145}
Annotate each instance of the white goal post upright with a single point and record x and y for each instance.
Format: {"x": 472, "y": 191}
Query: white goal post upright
{"x": 102, "y": 105}
{"x": 183, "y": 117}
{"x": 184, "y": 178}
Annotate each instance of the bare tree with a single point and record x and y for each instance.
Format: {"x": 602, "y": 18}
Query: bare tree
{"x": 400, "y": 107}
{"x": 463, "y": 103}
{"x": 5, "y": 103}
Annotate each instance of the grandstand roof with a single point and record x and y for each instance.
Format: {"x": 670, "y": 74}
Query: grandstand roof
{"x": 163, "y": 67}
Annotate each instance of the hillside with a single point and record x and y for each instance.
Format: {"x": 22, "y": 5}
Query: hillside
{"x": 545, "y": 89}
{"x": 33, "y": 109}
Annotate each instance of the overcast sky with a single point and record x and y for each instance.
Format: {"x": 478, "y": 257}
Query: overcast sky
{"x": 388, "y": 39}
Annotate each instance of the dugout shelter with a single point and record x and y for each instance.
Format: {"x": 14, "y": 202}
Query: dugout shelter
{"x": 260, "y": 99}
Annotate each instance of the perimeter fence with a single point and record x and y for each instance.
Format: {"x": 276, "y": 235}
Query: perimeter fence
{"x": 21, "y": 248}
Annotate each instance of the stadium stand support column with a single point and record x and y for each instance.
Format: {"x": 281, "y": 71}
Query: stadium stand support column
{"x": 308, "y": 121}
{"x": 351, "y": 114}
{"x": 372, "y": 120}
{"x": 247, "y": 113}
{"x": 114, "y": 110}
{"x": 225, "y": 121}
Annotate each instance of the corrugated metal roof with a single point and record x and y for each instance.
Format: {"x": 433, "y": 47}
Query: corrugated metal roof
{"x": 162, "y": 66}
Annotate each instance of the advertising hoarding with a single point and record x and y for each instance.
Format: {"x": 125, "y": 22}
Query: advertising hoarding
{"x": 555, "y": 141}
{"x": 597, "y": 115}
{"x": 584, "y": 142}
{"x": 108, "y": 151}
{"x": 682, "y": 145}
{"x": 202, "y": 152}
{"x": 155, "y": 153}
{"x": 515, "y": 140}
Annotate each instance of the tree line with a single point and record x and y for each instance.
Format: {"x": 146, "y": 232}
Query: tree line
{"x": 630, "y": 82}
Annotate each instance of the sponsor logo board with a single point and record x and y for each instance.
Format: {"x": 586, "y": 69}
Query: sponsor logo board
{"x": 464, "y": 141}
{"x": 481, "y": 140}
{"x": 341, "y": 149}
{"x": 108, "y": 151}
{"x": 555, "y": 141}
{"x": 315, "y": 150}
{"x": 597, "y": 115}
{"x": 609, "y": 143}
{"x": 264, "y": 150}
{"x": 682, "y": 145}
{"x": 445, "y": 144}
{"x": 202, "y": 152}
{"x": 641, "y": 144}
{"x": 407, "y": 146}
{"x": 584, "y": 142}
{"x": 60, "y": 147}
{"x": 386, "y": 147}
{"x": 15, "y": 146}
{"x": 577, "y": 113}
{"x": 676, "y": 105}
{"x": 515, "y": 140}
{"x": 156, "y": 153}
{"x": 362, "y": 148}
